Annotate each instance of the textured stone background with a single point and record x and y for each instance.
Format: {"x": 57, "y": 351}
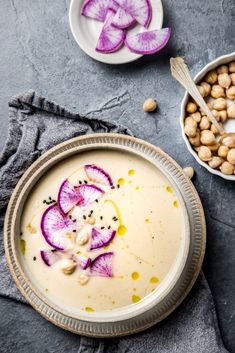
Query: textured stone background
{"x": 38, "y": 51}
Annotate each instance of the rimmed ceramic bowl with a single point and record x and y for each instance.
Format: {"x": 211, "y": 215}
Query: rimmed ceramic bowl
{"x": 229, "y": 126}
{"x": 155, "y": 306}
{"x": 86, "y": 33}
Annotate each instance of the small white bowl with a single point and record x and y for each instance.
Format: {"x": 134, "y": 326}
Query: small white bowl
{"x": 229, "y": 126}
{"x": 86, "y": 32}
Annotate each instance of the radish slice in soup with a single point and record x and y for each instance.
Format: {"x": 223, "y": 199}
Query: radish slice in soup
{"x": 122, "y": 19}
{"x": 82, "y": 261}
{"x": 102, "y": 265}
{"x": 101, "y": 237}
{"x": 139, "y": 9}
{"x": 89, "y": 193}
{"x": 96, "y": 9}
{"x": 68, "y": 197}
{"x": 57, "y": 228}
{"x": 98, "y": 175}
{"x": 111, "y": 38}
{"x": 49, "y": 257}
{"x": 148, "y": 42}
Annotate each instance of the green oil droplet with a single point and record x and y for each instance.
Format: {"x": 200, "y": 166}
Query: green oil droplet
{"x": 135, "y": 298}
{"x": 135, "y": 276}
{"x": 176, "y": 204}
{"x": 147, "y": 220}
{"x": 169, "y": 189}
{"x": 121, "y": 230}
{"x": 22, "y": 246}
{"x": 137, "y": 188}
{"x": 88, "y": 309}
{"x": 154, "y": 280}
{"x": 121, "y": 181}
{"x": 131, "y": 172}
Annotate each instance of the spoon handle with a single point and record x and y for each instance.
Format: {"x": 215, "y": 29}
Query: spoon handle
{"x": 180, "y": 72}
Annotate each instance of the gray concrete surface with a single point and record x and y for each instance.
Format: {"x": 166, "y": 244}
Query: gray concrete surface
{"x": 38, "y": 51}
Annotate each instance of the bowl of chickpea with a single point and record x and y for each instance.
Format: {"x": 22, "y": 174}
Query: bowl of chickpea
{"x": 216, "y": 83}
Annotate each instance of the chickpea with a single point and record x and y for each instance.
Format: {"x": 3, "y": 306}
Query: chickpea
{"x": 207, "y": 137}
{"x": 207, "y": 88}
{"x": 211, "y": 77}
{"x": 219, "y": 104}
{"x": 205, "y": 123}
{"x": 201, "y": 91}
{"x": 196, "y": 116}
{"x": 189, "y": 171}
{"x": 223, "y": 151}
{"x": 230, "y": 92}
{"x": 191, "y": 107}
{"x": 215, "y": 162}
{"x": 232, "y": 66}
{"x": 229, "y": 141}
{"x": 217, "y": 91}
{"x": 233, "y": 78}
{"x": 227, "y": 168}
{"x": 204, "y": 153}
{"x": 224, "y": 80}
{"x": 223, "y": 116}
{"x": 223, "y": 69}
{"x": 231, "y": 156}
{"x": 231, "y": 111}
{"x": 83, "y": 279}
{"x": 195, "y": 141}
{"x": 216, "y": 114}
{"x": 214, "y": 148}
{"x": 190, "y": 121}
{"x": 68, "y": 266}
{"x": 190, "y": 130}
{"x": 214, "y": 129}
{"x": 150, "y": 105}
{"x": 202, "y": 111}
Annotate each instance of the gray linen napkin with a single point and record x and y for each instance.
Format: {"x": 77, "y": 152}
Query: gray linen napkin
{"x": 35, "y": 125}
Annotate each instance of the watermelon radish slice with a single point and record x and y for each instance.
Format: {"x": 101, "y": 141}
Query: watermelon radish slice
{"x": 123, "y": 19}
{"x": 148, "y": 42}
{"x": 98, "y": 175}
{"x": 49, "y": 257}
{"x": 89, "y": 193}
{"x": 102, "y": 265}
{"x": 101, "y": 237}
{"x": 111, "y": 38}
{"x": 139, "y": 9}
{"x": 55, "y": 227}
{"x": 82, "y": 261}
{"x": 68, "y": 197}
{"x": 96, "y": 9}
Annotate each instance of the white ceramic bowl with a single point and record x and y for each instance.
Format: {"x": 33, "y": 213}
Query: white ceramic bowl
{"x": 86, "y": 32}
{"x": 229, "y": 126}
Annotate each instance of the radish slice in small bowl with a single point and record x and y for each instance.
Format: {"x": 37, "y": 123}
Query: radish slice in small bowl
{"x": 101, "y": 237}
{"x": 111, "y": 38}
{"x": 55, "y": 227}
{"x": 89, "y": 194}
{"x": 98, "y": 175}
{"x": 96, "y": 9}
{"x": 102, "y": 265}
{"x": 82, "y": 260}
{"x": 123, "y": 19}
{"x": 50, "y": 257}
{"x": 148, "y": 42}
{"x": 141, "y": 10}
{"x": 68, "y": 197}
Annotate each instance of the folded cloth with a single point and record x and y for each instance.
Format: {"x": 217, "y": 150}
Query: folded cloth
{"x": 35, "y": 125}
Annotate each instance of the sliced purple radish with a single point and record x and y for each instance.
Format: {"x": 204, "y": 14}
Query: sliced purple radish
{"x": 101, "y": 237}
{"x": 89, "y": 194}
{"x": 96, "y": 9}
{"x": 139, "y": 9}
{"x": 102, "y": 265}
{"x": 111, "y": 38}
{"x": 98, "y": 175}
{"x": 148, "y": 42}
{"x": 83, "y": 261}
{"x": 123, "y": 19}
{"x": 49, "y": 257}
{"x": 113, "y": 5}
{"x": 57, "y": 228}
{"x": 68, "y": 197}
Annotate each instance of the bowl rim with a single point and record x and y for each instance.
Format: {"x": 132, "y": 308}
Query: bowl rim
{"x": 223, "y": 59}
{"x": 54, "y": 314}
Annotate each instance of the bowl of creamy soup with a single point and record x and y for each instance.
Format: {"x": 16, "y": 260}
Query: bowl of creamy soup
{"x": 104, "y": 235}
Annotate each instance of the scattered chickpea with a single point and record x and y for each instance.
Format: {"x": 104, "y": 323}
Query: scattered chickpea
{"x": 227, "y": 168}
{"x": 202, "y": 111}
{"x": 195, "y": 141}
{"x": 189, "y": 171}
{"x": 211, "y": 77}
{"x": 215, "y": 162}
{"x": 231, "y": 111}
{"x": 214, "y": 148}
{"x": 223, "y": 69}
{"x": 83, "y": 239}
{"x": 83, "y": 279}
{"x": 204, "y": 153}
{"x": 230, "y": 92}
{"x": 205, "y": 123}
{"x": 214, "y": 129}
{"x": 207, "y": 137}
{"x": 223, "y": 116}
{"x": 231, "y": 156}
{"x": 216, "y": 114}
{"x": 223, "y": 151}
{"x": 150, "y": 105}
{"x": 232, "y": 66}
{"x": 68, "y": 266}
{"x": 224, "y": 80}
{"x": 217, "y": 91}
{"x": 91, "y": 220}
{"x": 233, "y": 78}
{"x": 191, "y": 107}
{"x": 196, "y": 116}
{"x": 190, "y": 130}
{"x": 229, "y": 141}
{"x": 190, "y": 121}
{"x": 219, "y": 104}
{"x": 201, "y": 91}
{"x": 207, "y": 88}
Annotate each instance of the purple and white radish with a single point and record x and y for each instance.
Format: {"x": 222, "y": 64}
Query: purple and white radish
{"x": 101, "y": 237}
{"x": 82, "y": 260}
{"x": 96, "y": 9}
{"x": 123, "y": 19}
{"x": 148, "y": 42}
{"x": 98, "y": 175}
{"x": 56, "y": 227}
{"x": 139, "y": 9}
{"x": 68, "y": 197}
{"x": 49, "y": 257}
{"x": 102, "y": 265}
{"x": 89, "y": 194}
{"x": 111, "y": 38}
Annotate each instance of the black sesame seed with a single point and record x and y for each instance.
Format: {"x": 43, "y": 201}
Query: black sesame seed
{"x": 118, "y": 186}
{"x": 109, "y": 227}
{"x": 53, "y": 200}
{"x": 101, "y": 217}
{"x": 34, "y": 258}
{"x": 91, "y": 211}
{"x": 74, "y": 230}
{"x": 74, "y": 220}
{"x": 21, "y": 233}
{"x": 85, "y": 181}
{"x": 70, "y": 216}
{"x": 84, "y": 217}
{"x": 96, "y": 200}
{"x": 89, "y": 215}
{"x": 53, "y": 250}
{"x": 112, "y": 187}
{"x": 80, "y": 182}
{"x": 44, "y": 201}
{"x": 50, "y": 198}
{"x": 102, "y": 227}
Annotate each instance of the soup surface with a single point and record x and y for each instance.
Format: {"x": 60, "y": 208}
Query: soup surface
{"x": 137, "y": 220}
